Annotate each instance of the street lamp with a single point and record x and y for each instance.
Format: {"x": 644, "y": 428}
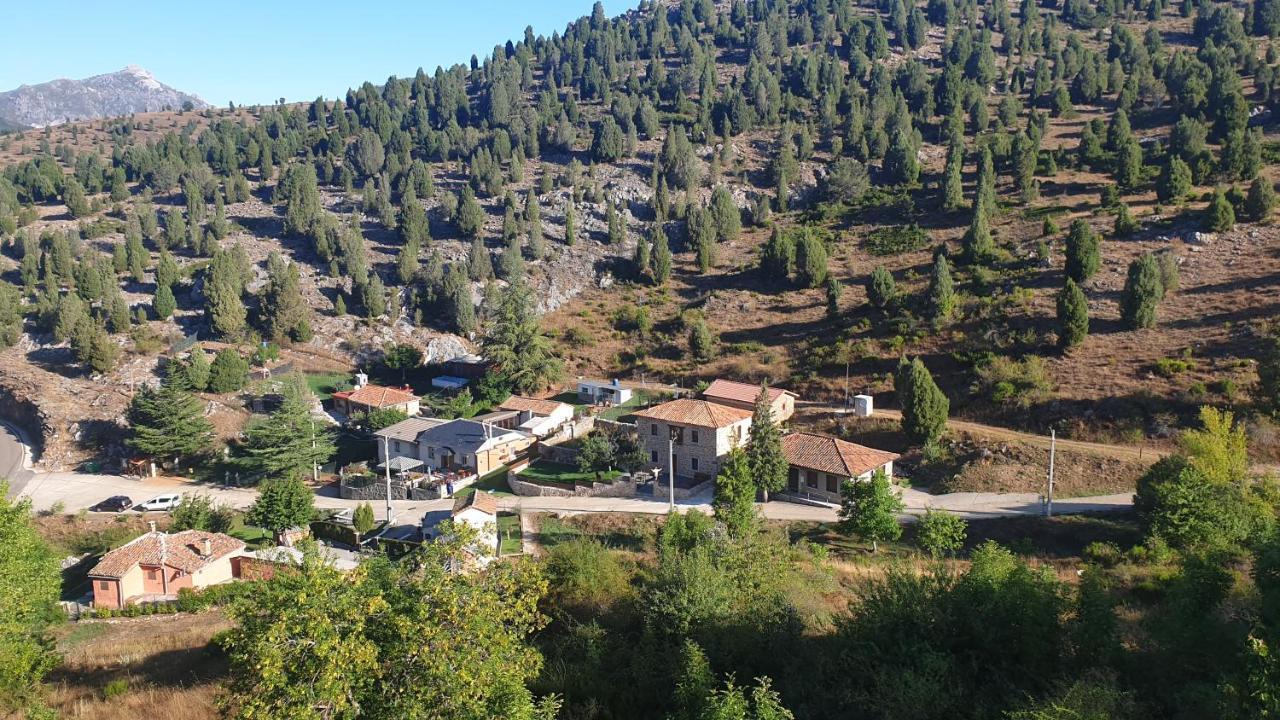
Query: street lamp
{"x": 672, "y": 432}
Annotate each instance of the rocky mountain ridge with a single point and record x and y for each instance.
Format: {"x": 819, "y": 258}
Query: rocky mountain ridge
{"x": 130, "y": 90}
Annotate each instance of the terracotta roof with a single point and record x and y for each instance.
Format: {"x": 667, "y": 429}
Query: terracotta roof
{"x": 479, "y": 500}
{"x": 377, "y": 396}
{"x": 700, "y": 413}
{"x": 740, "y": 392}
{"x": 533, "y": 405}
{"x": 182, "y": 551}
{"x": 832, "y": 455}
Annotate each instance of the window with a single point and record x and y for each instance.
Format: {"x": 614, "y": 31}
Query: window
{"x": 833, "y": 484}
{"x": 693, "y": 463}
{"x": 811, "y": 479}
{"x": 431, "y": 453}
{"x": 104, "y": 585}
{"x": 151, "y": 574}
{"x": 653, "y": 428}
{"x": 397, "y": 446}
{"x": 694, "y": 439}
{"x": 653, "y": 456}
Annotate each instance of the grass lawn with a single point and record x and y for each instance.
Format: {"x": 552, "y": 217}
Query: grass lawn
{"x": 254, "y": 537}
{"x": 639, "y": 399}
{"x": 544, "y": 471}
{"x": 509, "y": 534}
{"x": 324, "y": 385}
{"x": 553, "y": 531}
{"x": 495, "y": 482}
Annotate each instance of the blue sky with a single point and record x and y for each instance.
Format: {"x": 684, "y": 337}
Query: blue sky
{"x": 257, "y": 51}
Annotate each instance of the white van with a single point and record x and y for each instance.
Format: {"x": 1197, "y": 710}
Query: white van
{"x": 168, "y": 501}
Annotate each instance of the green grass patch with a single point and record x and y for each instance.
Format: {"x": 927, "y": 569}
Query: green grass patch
{"x": 81, "y": 633}
{"x": 551, "y": 472}
{"x": 494, "y": 482}
{"x": 639, "y": 399}
{"x": 553, "y": 531}
{"x": 1044, "y": 211}
{"x": 896, "y": 240}
{"x": 250, "y": 535}
{"x": 509, "y": 542}
{"x": 324, "y": 385}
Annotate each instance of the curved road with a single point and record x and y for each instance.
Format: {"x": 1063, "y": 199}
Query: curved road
{"x": 15, "y": 463}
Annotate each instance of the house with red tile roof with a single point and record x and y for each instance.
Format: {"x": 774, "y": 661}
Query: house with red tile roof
{"x": 367, "y": 398}
{"x": 696, "y": 433}
{"x": 820, "y": 464}
{"x": 155, "y": 566}
{"x": 743, "y": 395}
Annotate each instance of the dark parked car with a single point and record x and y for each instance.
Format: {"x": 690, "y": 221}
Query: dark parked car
{"x": 116, "y": 503}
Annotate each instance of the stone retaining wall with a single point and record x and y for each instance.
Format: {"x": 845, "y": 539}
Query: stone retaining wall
{"x": 615, "y": 489}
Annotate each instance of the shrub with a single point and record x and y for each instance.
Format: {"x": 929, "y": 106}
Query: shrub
{"x": 1019, "y": 382}
{"x": 115, "y": 688}
{"x": 941, "y": 533}
{"x": 587, "y": 575}
{"x": 896, "y": 240}
{"x": 1106, "y": 554}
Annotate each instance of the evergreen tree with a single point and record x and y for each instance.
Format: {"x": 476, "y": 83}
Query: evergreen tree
{"x": 869, "y": 509}
{"x": 74, "y": 198}
{"x": 986, "y": 184}
{"x": 228, "y": 373}
{"x": 901, "y": 166}
{"x": 953, "y": 180}
{"x": 1261, "y": 199}
{"x": 288, "y": 443}
{"x": 942, "y": 297}
{"x": 282, "y": 503}
{"x": 196, "y": 371}
{"x": 765, "y": 459}
{"x": 168, "y": 421}
{"x": 811, "y": 261}
{"x": 1073, "y": 315}
{"x": 978, "y": 245}
{"x": 734, "y": 500}
{"x": 1142, "y": 292}
{"x": 661, "y": 256}
{"x": 470, "y": 215}
{"x": 834, "y": 290}
{"x": 1125, "y": 224}
{"x": 479, "y": 263}
{"x": 570, "y": 226}
{"x": 163, "y": 302}
{"x": 924, "y": 406}
{"x": 288, "y": 317}
{"x": 1082, "y": 252}
{"x": 727, "y": 215}
{"x": 516, "y": 345}
{"x": 778, "y": 257}
{"x": 1219, "y": 216}
{"x": 702, "y": 341}
{"x": 880, "y": 287}
{"x": 533, "y": 218}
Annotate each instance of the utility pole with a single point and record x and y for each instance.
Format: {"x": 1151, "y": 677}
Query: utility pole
{"x": 671, "y": 467}
{"x": 846, "y": 379}
{"x": 315, "y": 467}
{"x": 386, "y": 467}
{"x": 164, "y": 558}
{"x": 1053, "y": 446}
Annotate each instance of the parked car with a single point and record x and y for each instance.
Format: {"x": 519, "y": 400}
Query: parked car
{"x": 167, "y": 501}
{"x": 115, "y": 503}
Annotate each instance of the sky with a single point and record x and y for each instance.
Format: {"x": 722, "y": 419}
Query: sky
{"x": 254, "y": 52}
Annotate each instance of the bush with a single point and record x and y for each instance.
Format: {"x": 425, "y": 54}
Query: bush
{"x": 587, "y": 575}
{"x": 115, "y": 688}
{"x": 941, "y": 533}
{"x": 228, "y": 373}
{"x": 1019, "y": 382}
{"x": 1106, "y": 554}
{"x": 896, "y": 240}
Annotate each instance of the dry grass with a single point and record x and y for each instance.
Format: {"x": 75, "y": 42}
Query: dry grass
{"x": 168, "y": 669}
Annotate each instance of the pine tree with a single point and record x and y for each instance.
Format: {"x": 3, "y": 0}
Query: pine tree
{"x": 941, "y": 289}
{"x": 168, "y": 421}
{"x": 1219, "y": 216}
{"x": 516, "y": 345}
{"x": 811, "y": 261}
{"x": 834, "y": 290}
{"x": 196, "y": 370}
{"x": 163, "y": 302}
{"x": 1142, "y": 291}
{"x": 924, "y": 406}
{"x": 778, "y": 257}
{"x": 1073, "y": 315}
{"x": 880, "y": 287}
{"x": 986, "y": 185}
{"x": 288, "y": 443}
{"x": 661, "y": 256}
{"x": 1082, "y": 252}
{"x": 978, "y": 245}
{"x": 287, "y": 315}
{"x": 727, "y": 215}
{"x": 479, "y": 263}
{"x": 765, "y": 458}
{"x": 1261, "y": 199}
{"x": 953, "y": 182}
{"x": 570, "y": 226}
{"x": 228, "y": 373}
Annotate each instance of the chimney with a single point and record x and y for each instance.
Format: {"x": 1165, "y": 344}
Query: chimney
{"x": 206, "y": 548}
{"x": 616, "y": 382}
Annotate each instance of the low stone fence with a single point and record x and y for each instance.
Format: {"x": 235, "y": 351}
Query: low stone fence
{"x": 558, "y": 454}
{"x": 620, "y": 488}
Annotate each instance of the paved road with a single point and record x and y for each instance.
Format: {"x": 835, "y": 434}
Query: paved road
{"x": 15, "y": 461}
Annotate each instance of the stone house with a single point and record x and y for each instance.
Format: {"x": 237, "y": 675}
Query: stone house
{"x": 820, "y": 464}
{"x": 155, "y": 566}
{"x": 703, "y": 433}
{"x": 743, "y": 395}
{"x": 453, "y": 445}
{"x": 538, "y": 417}
{"x": 367, "y": 398}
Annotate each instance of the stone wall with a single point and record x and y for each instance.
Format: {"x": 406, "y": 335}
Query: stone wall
{"x": 617, "y": 489}
{"x": 558, "y": 454}
{"x": 372, "y": 491}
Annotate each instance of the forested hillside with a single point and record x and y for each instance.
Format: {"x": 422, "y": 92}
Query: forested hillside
{"x": 1042, "y": 215}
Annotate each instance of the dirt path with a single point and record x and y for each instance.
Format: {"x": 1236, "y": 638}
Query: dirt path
{"x": 1120, "y": 452}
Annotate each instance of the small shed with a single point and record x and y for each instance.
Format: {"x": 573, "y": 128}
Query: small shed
{"x": 863, "y": 405}
{"x": 603, "y": 392}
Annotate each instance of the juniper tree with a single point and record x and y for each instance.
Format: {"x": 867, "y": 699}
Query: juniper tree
{"x": 1261, "y": 199}
{"x": 953, "y": 180}
{"x": 924, "y": 406}
{"x": 1219, "y": 216}
{"x": 726, "y": 214}
{"x": 880, "y": 287}
{"x": 229, "y": 372}
{"x": 1142, "y": 292}
{"x": 777, "y": 256}
{"x": 163, "y": 302}
{"x": 811, "y": 261}
{"x": 196, "y": 370}
{"x": 1073, "y": 315}
{"x": 978, "y": 245}
{"x": 834, "y": 290}
{"x": 570, "y": 226}
{"x": 661, "y": 256}
{"x": 941, "y": 295}
{"x": 1081, "y": 252}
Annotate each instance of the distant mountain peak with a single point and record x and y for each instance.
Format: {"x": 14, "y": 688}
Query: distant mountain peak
{"x": 133, "y": 89}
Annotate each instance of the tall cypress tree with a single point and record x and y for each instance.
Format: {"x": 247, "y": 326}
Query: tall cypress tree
{"x": 978, "y": 245}
{"x": 925, "y": 407}
{"x": 1073, "y": 315}
{"x": 953, "y": 180}
{"x": 941, "y": 289}
{"x": 764, "y": 448}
